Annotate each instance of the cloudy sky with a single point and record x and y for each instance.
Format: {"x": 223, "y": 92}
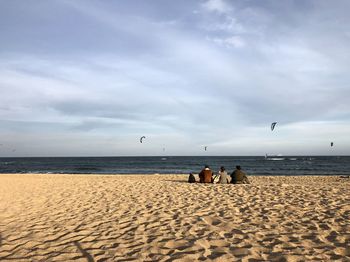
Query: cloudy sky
{"x": 89, "y": 78}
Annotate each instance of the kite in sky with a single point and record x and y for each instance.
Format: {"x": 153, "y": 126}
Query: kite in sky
{"x": 273, "y": 126}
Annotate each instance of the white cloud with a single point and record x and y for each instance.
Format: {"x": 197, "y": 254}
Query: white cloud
{"x": 229, "y": 25}
{"x": 233, "y": 41}
{"x": 219, "y": 6}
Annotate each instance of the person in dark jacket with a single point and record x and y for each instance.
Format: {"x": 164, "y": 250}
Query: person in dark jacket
{"x": 191, "y": 178}
{"x": 206, "y": 175}
{"x": 239, "y": 177}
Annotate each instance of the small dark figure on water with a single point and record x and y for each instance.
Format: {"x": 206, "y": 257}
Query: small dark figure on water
{"x": 239, "y": 177}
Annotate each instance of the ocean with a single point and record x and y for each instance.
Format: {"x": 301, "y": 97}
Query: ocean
{"x": 252, "y": 165}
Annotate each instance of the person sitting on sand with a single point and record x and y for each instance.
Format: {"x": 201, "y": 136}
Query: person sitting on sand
{"x": 206, "y": 175}
{"x": 223, "y": 177}
{"x": 239, "y": 177}
{"x": 191, "y": 178}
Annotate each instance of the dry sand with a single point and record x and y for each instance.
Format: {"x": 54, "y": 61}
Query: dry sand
{"x": 163, "y": 218}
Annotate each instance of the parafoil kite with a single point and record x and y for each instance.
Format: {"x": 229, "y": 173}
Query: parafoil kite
{"x": 273, "y": 126}
{"x": 142, "y": 137}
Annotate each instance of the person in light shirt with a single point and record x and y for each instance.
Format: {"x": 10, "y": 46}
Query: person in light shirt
{"x": 223, "y": 177}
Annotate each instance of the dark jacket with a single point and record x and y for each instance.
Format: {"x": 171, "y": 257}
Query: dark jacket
{"x": 206, "y": 176}
{"x": 239, "y": 177}
{"x": 191, "y": 178}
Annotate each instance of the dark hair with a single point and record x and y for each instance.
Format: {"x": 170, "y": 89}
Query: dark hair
{"x": 206, "y": 166}
{"x": 238, "y": 167}
{"x": 222, "y": 168}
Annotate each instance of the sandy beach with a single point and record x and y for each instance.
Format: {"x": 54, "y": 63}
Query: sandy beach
{"x": 163, "y": 218}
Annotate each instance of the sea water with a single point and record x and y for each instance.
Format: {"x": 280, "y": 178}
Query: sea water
{"x": 253, "y": 165}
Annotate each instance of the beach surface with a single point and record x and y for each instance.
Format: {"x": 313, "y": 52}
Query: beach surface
{"x": 164, "y": 218}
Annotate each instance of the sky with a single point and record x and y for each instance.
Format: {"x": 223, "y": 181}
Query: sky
{"x": 89, "y": 78}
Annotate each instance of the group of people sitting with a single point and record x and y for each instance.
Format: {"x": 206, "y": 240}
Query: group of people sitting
{"x": 208, "y": 176}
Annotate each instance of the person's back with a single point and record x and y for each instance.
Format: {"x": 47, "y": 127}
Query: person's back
{"x": 205, "y": 176}
{"x": 223, "y": 179}
{"x": 208, "y": 176}
{"x": 239, "y": 177}
{"x": 191, "y": 178}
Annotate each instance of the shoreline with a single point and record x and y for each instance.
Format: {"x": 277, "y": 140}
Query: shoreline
{"x": 168, "y": 174}
{"x": 164, "y": 218}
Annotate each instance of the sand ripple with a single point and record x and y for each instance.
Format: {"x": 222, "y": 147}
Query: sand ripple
{"x": 163, "y": 218}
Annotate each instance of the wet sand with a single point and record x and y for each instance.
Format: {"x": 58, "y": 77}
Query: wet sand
{"x": 163, "y": 218}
